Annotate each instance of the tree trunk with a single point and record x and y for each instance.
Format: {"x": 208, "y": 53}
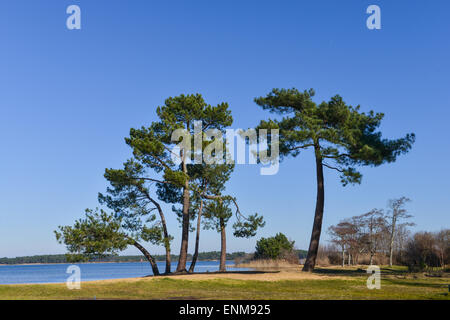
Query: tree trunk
{"x": 165, "y": 234}
{"x": 197, "y": 238}
{"x": 349, "y": 258}
{"x": 371, "y": 259}
{"x": 318, "y": 216}
{"x": 185, "y": 233}
{"x": 223, "y": 248}
{"x": 343, "y": 257}
{"x": 391, "y": 245}
{"x": 149, "y": 258}
{"x": 185, "y": 224}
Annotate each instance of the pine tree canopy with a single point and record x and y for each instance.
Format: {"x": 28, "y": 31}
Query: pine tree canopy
{"x": 98, "y": 234}
{"x": 343, "y": 137}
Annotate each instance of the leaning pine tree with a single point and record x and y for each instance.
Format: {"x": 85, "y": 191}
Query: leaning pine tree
{"x": 102, "y": 234}
{"x": 129, "y": 190}
{"x": 341, "y": 136}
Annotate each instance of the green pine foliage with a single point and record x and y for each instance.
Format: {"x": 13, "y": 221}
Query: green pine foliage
{"x": 98, "y": 234}
{"x": 342, "y": 136}
{"x": 273, "y": 247}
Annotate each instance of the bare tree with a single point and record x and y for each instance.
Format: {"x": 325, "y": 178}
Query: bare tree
{"x": 396, "y": 212}
{"x": 402, "y": 236}
{"x": 358, "y": 239}
{"x": 442, "y": 245}
{"x": 373, "y": 225}
{"x": 341, "y": 235}
{"x": 421, "y": 252}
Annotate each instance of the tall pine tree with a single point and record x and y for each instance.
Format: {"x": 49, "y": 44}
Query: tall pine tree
{"x": 341, "y": 136}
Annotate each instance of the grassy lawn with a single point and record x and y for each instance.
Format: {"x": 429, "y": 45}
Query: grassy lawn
{"x": 333, "y": 284}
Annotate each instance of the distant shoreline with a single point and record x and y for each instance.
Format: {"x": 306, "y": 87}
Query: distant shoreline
{"x": 64, "y": 258}
{"x": 89, "y": 262}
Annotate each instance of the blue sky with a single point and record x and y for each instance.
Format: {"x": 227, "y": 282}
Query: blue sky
{"x": 68, "y": 98}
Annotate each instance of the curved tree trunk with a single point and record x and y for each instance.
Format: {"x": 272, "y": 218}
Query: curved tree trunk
{"x": 149, "y": 258}
{"x": 165, "y": 234}
{"x": 197, "y": 238}
{"x": 164, "y": 225}
{"x": 223, "y": 246}
{"x": 318, "y": 216}
{"x": 166, "y": 238}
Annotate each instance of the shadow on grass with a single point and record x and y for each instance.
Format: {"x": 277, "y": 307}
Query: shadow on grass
{"x": 415, "y": 283}
{"x": 358, "y": 271}
{"x": 394, "y": 271}
{"x": 339, "y": 272}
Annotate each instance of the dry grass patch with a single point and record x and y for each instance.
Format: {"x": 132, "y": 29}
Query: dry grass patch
{"x": 269, "y": 265}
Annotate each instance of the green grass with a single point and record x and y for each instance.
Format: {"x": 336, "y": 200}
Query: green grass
{"x": 395, "y": 284}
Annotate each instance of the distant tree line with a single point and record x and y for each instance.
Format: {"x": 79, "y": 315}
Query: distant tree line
{"x": 62, "y": 258}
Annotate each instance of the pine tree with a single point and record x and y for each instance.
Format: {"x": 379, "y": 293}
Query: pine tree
{"x": 100, "y": 234}
{"x": 130, "y": 196}
{"x": 153, "y": 146}
{"x": 341, "y": 136}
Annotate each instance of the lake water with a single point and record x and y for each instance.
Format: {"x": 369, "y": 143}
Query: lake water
{"x": 56, "y": 273}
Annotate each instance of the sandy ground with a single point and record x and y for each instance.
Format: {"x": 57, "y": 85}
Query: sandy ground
{"x": 257, "y": 276}
{"x": 290, "y": 273}
{"x": 269, "y": 276}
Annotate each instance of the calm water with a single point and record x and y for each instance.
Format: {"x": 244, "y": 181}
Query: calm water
{"x": 54, "y": 273}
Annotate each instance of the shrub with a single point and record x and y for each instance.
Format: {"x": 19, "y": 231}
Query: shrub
{"x": 277, "y": 247}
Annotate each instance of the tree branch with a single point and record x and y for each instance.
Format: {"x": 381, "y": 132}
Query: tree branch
{"x": 303, "y": 146}
{"x": 331, "y": 167}
{"x": 149, "y": 179}
{"x": 339, "y": 156}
